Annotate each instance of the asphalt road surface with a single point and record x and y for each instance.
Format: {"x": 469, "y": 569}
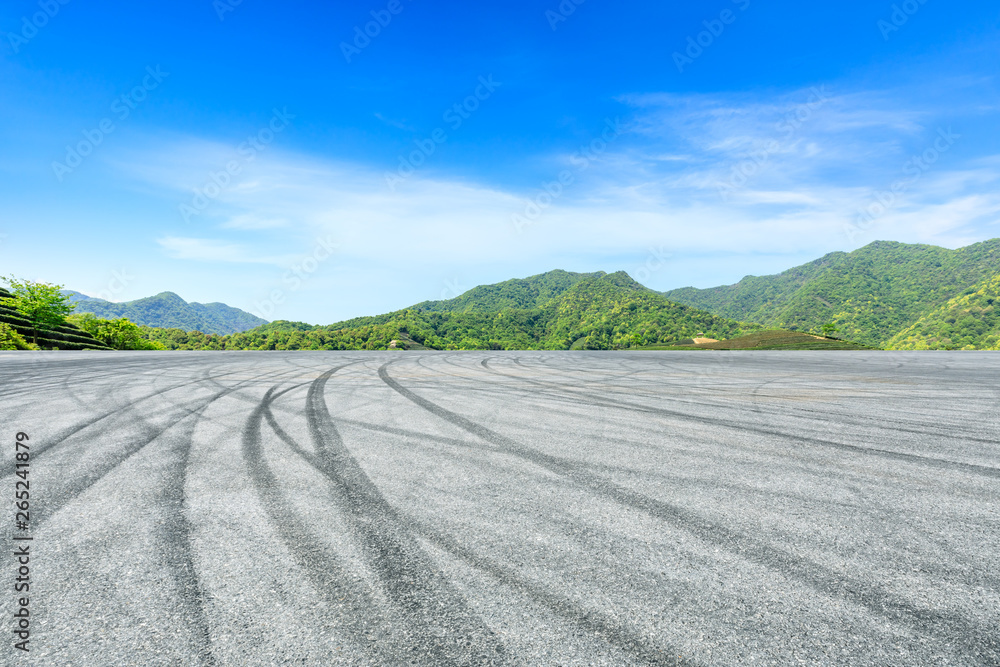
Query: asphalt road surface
{"x": 508, "y": 508}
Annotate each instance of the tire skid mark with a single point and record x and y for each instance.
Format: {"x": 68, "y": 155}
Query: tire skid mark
{"x": 463, "y": 445}
{"x": 611, "y": 375}
{"x": 58, "y": 498}
{"x": 972, "y": 468}
{"x": 427, "y": 601}
{"x": 72, "y": 489}
{"x": 60, "y": 438}
{"x": 611, "y": 631}
{"x": 804, "y": 413}
{"x": 887, "y": 422}
{"x": 74, "y": 378}
{"x": 156, "y": 373}
{"x": 335, "y": 584}
{"x": 875, "y": 599}
{"x": 696, "y": 483}
{"x": 37, "y": 382}
{"x": 605, "y": 626}
{"x": 560, "y": 397}
{"x": 474, "y": 445}
{"x": 178, "y": 533}
{"x": 81, "y": 376}
{"x": 564, "y": 390}
{"x": 41, "y": 370}
{"x": 177, "y": 526}
{"x": 256, "y": 381}
{"x": 806, "y": 461}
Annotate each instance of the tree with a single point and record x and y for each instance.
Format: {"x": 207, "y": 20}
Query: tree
{"x": 829, "y": 329}
{"x": 42, "y": 304}
{"x": 120, "y": 334}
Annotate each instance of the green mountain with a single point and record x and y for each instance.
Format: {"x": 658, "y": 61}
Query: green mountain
{"x": 555, "y": 310}
{"x": 169, "y": 310}
{"x": 885, "y": 295}
{"x": 967, "y": 322}
{"x": 871, "y": 294}
{"x": 519, "y": 293}
{"x": 613, "y": 311}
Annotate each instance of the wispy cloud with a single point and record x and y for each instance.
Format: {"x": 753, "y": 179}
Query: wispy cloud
{"x": 812, "y": 162}
{"x": 213, "y": 250}
{"x": 252, "y": 221}
{"x": 391, "y": 122}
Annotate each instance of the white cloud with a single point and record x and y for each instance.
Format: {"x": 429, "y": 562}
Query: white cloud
{"x": 213, "y": 250}
{"x": 658, "y": 186}
{"x": 617, "y": 205}
{"x": 252, "y": 221}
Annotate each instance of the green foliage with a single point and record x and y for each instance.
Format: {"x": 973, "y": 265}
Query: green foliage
{"x": 118, "y": 334}
{"x": 582, "y": 311}
{"x": 516, "y": 294}
{"x": 171, "y": 311}
{"x": 64, "y": 337}
{"x": 870, "y": 294}
{"x": 967, "y": 322}
{"x": 767, "y": 340}
{"x": 11, "y": 340}
{"x": 41, "y": 304}
{"x": 614, "y": 312}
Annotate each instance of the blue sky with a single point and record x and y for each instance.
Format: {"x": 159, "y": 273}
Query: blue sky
{"x": 279, "y": 159}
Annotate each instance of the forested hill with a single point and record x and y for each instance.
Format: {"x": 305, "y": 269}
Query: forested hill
{"x": 581, "y": 311}
{"x": 167, "y": 310}
{"x": 519, "y": 293}
{"x": 871, "y": 294}
{"x": 969, "y": 322}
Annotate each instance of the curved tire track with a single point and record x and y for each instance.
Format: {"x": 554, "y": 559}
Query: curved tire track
{"x": 841, "y": 586}
{"x": 945, "y": 464}
{"x": 61, "y": 437}
{"x": 442, "y": 626}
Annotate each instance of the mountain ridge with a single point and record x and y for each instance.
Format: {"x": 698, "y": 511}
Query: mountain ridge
{"x": 578, "y": 311}
{"x": 169, "y": 310}
{"x": 870, "y": 294}
{"x": 531, "y": 292}
{"x": 886, "y": 294}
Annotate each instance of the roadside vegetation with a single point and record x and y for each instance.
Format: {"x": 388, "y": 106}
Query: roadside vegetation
{"x": 34, "y": 315}
{"x": 10, "y": 339}
{"x": 38, "y": 316}
{"x": 41, "y": 305}
{"x": 775, "y": 339}
{"x": 118, "y": 334}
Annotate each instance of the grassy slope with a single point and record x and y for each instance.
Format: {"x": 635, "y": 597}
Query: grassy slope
{"x": 775, "y": 339}
{"x": 871, "y": 294}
